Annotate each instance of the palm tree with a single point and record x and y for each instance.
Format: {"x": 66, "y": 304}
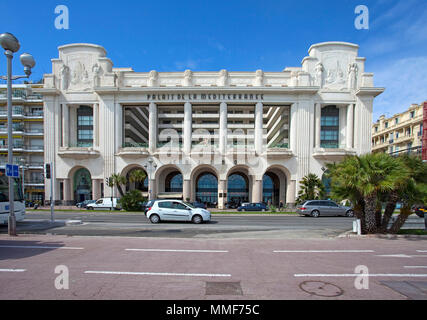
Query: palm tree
{"x": 311, "y": 188}
{"x": 138, "y": 176}
{"x": 116, "y": 180}
{"x": 363, "y": 179}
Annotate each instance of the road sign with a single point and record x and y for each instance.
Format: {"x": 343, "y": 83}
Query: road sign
{"x": 12, "y": 171}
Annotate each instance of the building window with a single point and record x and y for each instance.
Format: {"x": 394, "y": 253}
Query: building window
{"x": 412, "y": 114}
{"x": 84, "y": 127}
{"x": 329, "y": 131}
{"x": 376, "y": 129}
{"x": 386, "y": 125}
{"x": 396, "y": 120}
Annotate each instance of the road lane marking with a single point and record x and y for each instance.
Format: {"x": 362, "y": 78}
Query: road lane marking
{"x": 158, "y": 274}
{"x": 41, "y": 247}
{"x": 323, "y": 251}
{"x": 403, "y": 275}
{"x": 421, "y": 250}
{"x": 400, "y": 256}
{"x": 176, "y": 250}
{"x": 13, "y": 270}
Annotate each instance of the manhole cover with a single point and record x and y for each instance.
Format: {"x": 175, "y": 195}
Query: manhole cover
{"x": 223, "y": 288}
{"x": 320, "y": 288}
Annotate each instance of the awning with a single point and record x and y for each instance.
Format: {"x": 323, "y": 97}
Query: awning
{"x": 169, "y": 195}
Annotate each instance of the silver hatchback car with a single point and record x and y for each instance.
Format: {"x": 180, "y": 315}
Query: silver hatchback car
{"x": 175, "y": 210}
{"x": 317, "y": 208}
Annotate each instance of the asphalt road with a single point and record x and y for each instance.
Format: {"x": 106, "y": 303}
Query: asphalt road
{"x": 137, "y": 225}
{"x": 63, "y": 267}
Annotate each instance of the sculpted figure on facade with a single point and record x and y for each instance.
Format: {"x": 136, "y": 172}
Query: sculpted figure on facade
{"x": 352, "y": 76}
{"x": 96, "y": 75}
{"x": 65, "y": 74}
{"x": 319, "y": 75}
{"x": 259, "y": 78}
{"x": 223, "y": 78}
{"x": 188, "y": 78}
{"x": 153, "y": 78}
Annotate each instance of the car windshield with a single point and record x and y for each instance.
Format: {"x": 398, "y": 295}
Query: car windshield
{"x": 190, "y": 205}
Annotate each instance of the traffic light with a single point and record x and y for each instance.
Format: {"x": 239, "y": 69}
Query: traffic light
{"x": 47, "y": 171}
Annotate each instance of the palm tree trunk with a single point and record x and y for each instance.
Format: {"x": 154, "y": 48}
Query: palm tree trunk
{"x": 405, "y": 212}
{"x": 378, "y": 212}
{"x": 359, "y": 212}
{"x": 119, "y": 187}
{"x": 370, "y": 209}
{"x": 389, "y": 209}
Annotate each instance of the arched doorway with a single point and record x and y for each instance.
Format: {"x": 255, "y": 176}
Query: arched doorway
{"x": 82, "y": 183}
{"x": 174, "y": 182}
{"x": 271, "y": 189}
{"x": 136, "y": 185}
{"x": 207, "y": 189}
{"x": 237, "y": 188}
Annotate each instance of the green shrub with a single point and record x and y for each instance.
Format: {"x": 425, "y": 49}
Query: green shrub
{"x": 132, "y": 201}
{"x": 273, "y": 208}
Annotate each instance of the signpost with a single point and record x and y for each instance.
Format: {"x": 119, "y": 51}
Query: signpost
{"x": 12, "y": 171}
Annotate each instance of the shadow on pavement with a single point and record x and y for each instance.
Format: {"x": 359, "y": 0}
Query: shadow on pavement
{"x": 11, "y": 249}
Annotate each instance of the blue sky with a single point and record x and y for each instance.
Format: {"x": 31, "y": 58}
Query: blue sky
{"x": 234, "y": 35}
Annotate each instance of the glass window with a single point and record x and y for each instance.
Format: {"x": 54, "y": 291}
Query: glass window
{"x": 179, "y": 206}
{"x": 329, "y": 131}
{"x": 165, "y": 205}
{"x": 84, "y": 126}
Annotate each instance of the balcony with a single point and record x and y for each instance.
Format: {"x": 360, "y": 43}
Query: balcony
{"x": 133, "y": 150}
{"x": 79, "y": 151}
{"x": 333, "y": 152}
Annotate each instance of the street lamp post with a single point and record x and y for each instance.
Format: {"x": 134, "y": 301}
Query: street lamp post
{"x": 149, "y": 169}
{"x": 11, "y": 45}
{"x": 24, "y": 166}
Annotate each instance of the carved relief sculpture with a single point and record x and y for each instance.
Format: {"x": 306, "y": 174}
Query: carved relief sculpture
{"x": 223, "y": 78}
{"x": 65, "y": 74}
{"x": 96, "y": 70}
{"x": 188, "y": 78}
{"x": 259, "y": 78}
{"x": 153, "y": 78}
{"x": 352, "y": 76}
{"x": 319, "y": 75}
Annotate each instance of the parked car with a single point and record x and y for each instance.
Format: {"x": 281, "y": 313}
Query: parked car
{"x": 104, "y": 203}
{"x": 253, "y": 207}
{"x": 420, "y": 210}
{"x": 317, "y": 208}
{"x": 176, "y": 210}
{"x": 199, "y": 205}
{"x": 84, "y": 203}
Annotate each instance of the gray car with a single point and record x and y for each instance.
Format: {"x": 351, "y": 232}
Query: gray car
{"x": 317, "y": 208}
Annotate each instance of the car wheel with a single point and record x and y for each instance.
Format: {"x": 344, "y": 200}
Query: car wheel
{"x": 315, "y": 214}
{"x": 197, "y": 219}
{"x": 154, "y": 218}
{"x": 89, "y": 208}
{"x": 349, "y": 214}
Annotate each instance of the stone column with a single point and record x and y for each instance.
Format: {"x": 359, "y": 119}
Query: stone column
{"x": 188, "y": 125}
{"x": 65, "y": 125}
{"x": 350, "y": 126}
{"x": 293, "y": 127}
{"x": 342, "y": 139}
{"x": 318, "y": 124}
{"x": 186, "y": 190}
{"x": 96, "y": 125}
{"x": 152, "y": 127}
{"x": 291, "y": 193}
{"x": 257, "y": 191}
{"x": 152, "y": 190}
{"x": 96, "y": 189}
{"x": 223, "y": 127}
{"x": 119, "y": 125}
{"x": 67, "y": 191}
{"x": 259, "y": 124}
{"x": 222, "y": 190}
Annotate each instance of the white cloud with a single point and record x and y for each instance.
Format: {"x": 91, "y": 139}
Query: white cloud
{"x": 405, "y": 82}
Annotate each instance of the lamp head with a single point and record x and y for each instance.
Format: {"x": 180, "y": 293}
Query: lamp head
{"x": 27, "y": 60}
{"x": 9, "y": 42}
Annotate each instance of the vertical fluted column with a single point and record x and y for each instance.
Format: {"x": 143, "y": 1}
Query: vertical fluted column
{"x": 318, "y": 125}
{"x": 96, "y": 189}
{"x": 152, "y": 129}
{"x": 350, "y": 126}
{"x": 223, "y": 127}
{"x": 96, "y": 125}
{"x": 293, "y": 127}
{"x": 186, "y": 190}
{"x": 257, "y": 191}
{"x": 259, "y": 124}
{"x": 188, "y": 119}
{"x": 67, "y": 191}
{"x": 65, "y": 125}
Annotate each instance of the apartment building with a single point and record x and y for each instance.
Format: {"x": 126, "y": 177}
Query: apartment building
{"x": 28, "y": 136}
{"x": 401, "y": 133}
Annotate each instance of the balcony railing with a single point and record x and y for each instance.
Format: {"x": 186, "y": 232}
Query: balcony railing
{"x": 135, "y": 145}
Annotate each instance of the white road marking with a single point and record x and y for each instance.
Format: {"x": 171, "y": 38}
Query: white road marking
{"x": 158, "y": 274}
{"x": 404, "y": 275}
{"x": 41, "y": 247}
{"x": 13, "y": 270}
{"x": 400, "y": 256}
{"x": 323, "y": 251}
{"x": 421, "y": 250}
{"x": 415, "y": 267}
{"x": 176, "y": 250}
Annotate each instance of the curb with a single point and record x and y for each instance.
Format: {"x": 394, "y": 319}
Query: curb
{"x": 352, "y": 235}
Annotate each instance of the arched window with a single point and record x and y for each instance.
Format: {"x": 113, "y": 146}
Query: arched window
{"x": 238, "y": 188}
{"x": 82, "y": 185}
{"x": 207, "y": 189}
{"x": 173, "y": 182}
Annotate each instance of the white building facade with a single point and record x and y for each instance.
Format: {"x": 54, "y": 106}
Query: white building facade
{"x": 215, "y": 137}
